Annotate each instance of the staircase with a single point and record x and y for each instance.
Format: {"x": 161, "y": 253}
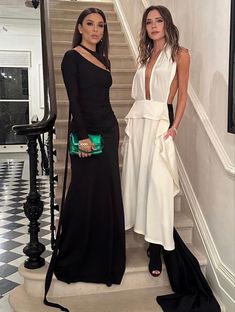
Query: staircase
{"x": 138, "y": 289}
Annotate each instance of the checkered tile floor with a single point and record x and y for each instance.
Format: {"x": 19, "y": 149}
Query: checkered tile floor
{"x": 13, "y": 223}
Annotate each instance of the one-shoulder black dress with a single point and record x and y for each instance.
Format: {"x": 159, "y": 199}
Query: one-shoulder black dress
{"x": 92, "y": 242}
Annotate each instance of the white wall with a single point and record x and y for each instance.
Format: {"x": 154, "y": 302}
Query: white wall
{"x": 167, "y": 3}
{"x": 204, "y": 27}
{"x": 23, "y": 34}
{"x": 18, "y": 38}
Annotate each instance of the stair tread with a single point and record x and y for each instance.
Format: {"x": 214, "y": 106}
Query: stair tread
{"x": 137, "y": 261}
{"x": 138, "y": 300}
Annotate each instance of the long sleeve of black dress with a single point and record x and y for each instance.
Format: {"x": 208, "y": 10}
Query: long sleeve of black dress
{"x": 69, "y": 67}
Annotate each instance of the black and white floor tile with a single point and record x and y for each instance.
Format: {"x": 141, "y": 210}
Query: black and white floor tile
{"x": 14, "y": 225}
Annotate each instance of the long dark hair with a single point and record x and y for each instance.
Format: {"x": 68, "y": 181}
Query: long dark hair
{"x": 102, "y": 47}
{"x": 171, "y": 31}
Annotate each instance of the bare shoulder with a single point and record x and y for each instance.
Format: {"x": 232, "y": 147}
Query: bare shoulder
{"x": 79, "y": 49}
{"x": 183, "y": 56}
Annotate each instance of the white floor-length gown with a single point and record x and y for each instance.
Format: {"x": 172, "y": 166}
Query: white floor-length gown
{"x": 150, "y": 176}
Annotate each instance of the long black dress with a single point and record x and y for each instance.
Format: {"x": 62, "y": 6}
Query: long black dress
{"x": 92, "y": 242}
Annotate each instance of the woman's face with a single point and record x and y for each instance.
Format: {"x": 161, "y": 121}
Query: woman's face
{"x": 155, "y": 25}
{"x": 92, "y": 28}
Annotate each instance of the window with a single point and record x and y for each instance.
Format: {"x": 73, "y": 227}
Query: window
{"x": 14, "y": 103}
{"x": 14, "y": 95}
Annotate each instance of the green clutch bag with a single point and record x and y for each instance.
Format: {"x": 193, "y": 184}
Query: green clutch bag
{"x": 96, "y": 139}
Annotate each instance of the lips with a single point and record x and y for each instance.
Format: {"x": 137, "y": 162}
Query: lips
{"x": 155, "y": 33}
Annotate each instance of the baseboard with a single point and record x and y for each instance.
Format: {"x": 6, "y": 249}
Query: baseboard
{"x": 222, "y": 280}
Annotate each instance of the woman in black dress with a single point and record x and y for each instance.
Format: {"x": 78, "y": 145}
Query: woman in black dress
{"x": 92, "y": 242}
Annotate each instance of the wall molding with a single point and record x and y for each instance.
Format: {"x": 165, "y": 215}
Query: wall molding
{"x": 229, "y": 167}
{"x": 224, "y": 277}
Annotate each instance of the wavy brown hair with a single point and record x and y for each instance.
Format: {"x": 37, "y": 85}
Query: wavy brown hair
{"x": 171, "y": 32}
{"x": 102, "y": 47}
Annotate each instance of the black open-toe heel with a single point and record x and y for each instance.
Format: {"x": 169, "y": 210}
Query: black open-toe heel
{"x": 155, "y": 261}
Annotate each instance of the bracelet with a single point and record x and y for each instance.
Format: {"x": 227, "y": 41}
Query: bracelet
{"x": 83, "y": 144}
{"x": 175, "y": 130}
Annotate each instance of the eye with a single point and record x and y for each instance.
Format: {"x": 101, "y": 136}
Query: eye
{"x": 89, "y": 24}
{"x": 101, "y": 25}
{"x": 148, "y": 22}
{"x": 160, "y": 21}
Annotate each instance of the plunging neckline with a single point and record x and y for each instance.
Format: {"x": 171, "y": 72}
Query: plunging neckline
{"x": 150, "y": 77}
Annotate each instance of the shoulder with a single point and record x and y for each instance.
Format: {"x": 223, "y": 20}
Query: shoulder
{"x": 70, "y": 54}
{"x": 70, "y": 58}
{"x": 182, "y": 56}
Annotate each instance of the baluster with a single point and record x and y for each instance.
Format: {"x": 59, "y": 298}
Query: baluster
{"x": 33, "y": 209}
{"x": 52, "y": 180}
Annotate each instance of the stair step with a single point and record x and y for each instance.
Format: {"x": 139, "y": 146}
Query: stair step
{"x": 75, "y": 5}
{"x": 136, "y": 277}
{"x": 138, "y": 300}
{"x": 74, "y": 13}
{"x": 115, "y": 48}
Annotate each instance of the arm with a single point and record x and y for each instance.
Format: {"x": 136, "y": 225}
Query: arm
{"x": 183, "y": 61}
{"x": 70, "y": 76}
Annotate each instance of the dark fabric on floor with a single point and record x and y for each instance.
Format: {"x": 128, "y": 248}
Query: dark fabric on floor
{"x": 192, "y": 292}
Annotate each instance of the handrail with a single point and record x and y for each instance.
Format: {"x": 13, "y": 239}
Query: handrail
{"x": 50, "y": 109}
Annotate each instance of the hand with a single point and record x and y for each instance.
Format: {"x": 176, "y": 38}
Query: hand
{"x": 171, "y": 132}
{"x": 86, "y": 146}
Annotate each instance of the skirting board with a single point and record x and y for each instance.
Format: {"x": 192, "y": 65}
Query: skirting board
{"x": 223, "y": 280}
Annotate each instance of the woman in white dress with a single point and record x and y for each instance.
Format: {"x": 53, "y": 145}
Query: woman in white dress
{"x": 150, "y": 177}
